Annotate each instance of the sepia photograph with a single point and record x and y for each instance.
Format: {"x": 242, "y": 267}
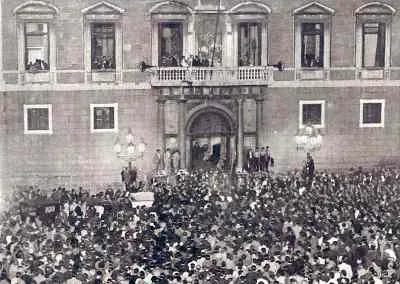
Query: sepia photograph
{"x": 199, "y": 142}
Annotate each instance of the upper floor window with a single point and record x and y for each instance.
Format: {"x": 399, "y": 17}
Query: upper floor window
{"x": 170, "y": 43}
{"x": 249, "y": 45}
{"x": 172, "y": 33}
{"x": 36, "y": 41}
{"x": 373, "y": 46}
{"x": 312, "y": 48}
{"x": 103, "y": 42}
{"x": 37, "y": 47}
{"x": 373, "y": 28}
{"x": 103, "y": 46}
{"x": 312, "y": 36}
{"x": 248, "y": 22}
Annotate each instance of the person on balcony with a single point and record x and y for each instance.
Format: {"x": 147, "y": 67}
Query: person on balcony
{"x": 184, "y": 62}
{"x": 204, "y": 60}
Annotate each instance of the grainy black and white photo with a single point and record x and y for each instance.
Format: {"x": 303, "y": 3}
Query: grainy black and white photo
{"x": 199, "y": 142}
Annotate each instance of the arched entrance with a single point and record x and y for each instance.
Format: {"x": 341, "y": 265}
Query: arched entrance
{"x": 211, "y": 138}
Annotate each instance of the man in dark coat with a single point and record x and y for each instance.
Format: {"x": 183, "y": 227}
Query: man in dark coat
{"x": 310, "y": 166}
{"x": 310, "y": 170}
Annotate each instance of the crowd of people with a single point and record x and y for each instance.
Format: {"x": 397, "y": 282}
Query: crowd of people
{"x": 38, "y": 65}
{"x": 206, "y": 228}
{"x": 103, "y": 63}
{"x": 199, "y": 60}
{"x": 259, "y": 159}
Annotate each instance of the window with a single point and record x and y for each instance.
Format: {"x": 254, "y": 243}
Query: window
{"x": 103, "y": 42}
{"x": 249, "y": 45}
{"x": 246, "y": 35}
{"x": 170, "y": 43}
{"x": 36, "y": 44}
{"x": 372, "y": 113}
{"x": 172, "y": 33}
{"x": 313, "y": 23}
{"x": 312, "y": 48}
{"x": 373, "y": 45}
{"x": 104, "y": 117}
{"x": 373, "y": 29}
{"x": 103, "y": 46}
{"x": 36, "y": 47}
{"x": 312, "y": 113}
{"x": 38, "y": 119}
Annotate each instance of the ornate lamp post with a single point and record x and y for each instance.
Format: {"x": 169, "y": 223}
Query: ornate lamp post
{"x": 308, "y": 139}
{"x": 129, "y": 152}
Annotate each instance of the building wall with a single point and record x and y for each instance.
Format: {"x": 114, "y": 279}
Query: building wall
{"x": 72, "y": 154}
{"x": 345, "y": 144}
{"x": 137, "y": 31}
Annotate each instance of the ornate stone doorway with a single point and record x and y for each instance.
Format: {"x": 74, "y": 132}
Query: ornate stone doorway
{"x": 211, "y": 139}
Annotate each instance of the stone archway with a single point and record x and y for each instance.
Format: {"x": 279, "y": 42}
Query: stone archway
{"x": 210, "y": 138}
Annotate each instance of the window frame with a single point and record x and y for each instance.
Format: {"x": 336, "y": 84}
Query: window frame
{"x": 103, "y": 13}
{"x": 26, "y": 46}
{"x": 245, "y": 12}
{"x": 321, "y": 35}
{"x": 374, "y": 12}
{"x": 92, "y": 26}
{"x": 188, "y": 39}
{"x": 312, "y": 102}
{"x": 107, "y": 130}
{"x": 50, "y": 118}
{"x": 36, "y": 12}
{"x": 372, "y": 125}
{"x": 240, "y": 19}
{"x": 259, "y": 26}
{"x": 313, "y": 13}
{"x": 364, "y": 33}
{"x": 182, "y": 28}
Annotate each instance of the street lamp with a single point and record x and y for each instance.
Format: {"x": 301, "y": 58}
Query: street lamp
{"x": 309, "y": 139}
{"x": 129, "y": 151}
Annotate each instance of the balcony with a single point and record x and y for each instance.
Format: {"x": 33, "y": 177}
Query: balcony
{"x": 212, "y": 76}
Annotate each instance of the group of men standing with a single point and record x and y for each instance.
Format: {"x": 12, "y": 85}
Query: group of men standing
{"x": 168, "y": 162}
{"x": 129, "y": 177}
{"x": 259, "y": 159}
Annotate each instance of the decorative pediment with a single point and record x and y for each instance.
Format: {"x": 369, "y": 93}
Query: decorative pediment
{"x": 250, "y": 8}
{"x": 314, "y": 8}
{"x": 375, "y": 8}
{"x": 36, "y": 7}
{"x": 103, "y": 8}
{"x": 171, "y": 7}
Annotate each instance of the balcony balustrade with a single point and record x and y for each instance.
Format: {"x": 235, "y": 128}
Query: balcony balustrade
{"x": 256, "y": 75}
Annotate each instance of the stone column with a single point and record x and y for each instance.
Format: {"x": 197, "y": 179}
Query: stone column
{"x": 161, "y": 124}
{"x": 181, "y": 130}
{"x": 259, "y": 115}
{"x": 240, "y": 143}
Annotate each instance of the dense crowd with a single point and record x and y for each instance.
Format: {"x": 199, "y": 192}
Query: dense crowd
{"x": 340, "y": 228}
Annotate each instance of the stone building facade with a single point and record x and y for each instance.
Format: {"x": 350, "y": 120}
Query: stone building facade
{"x": 72, "y": 85}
